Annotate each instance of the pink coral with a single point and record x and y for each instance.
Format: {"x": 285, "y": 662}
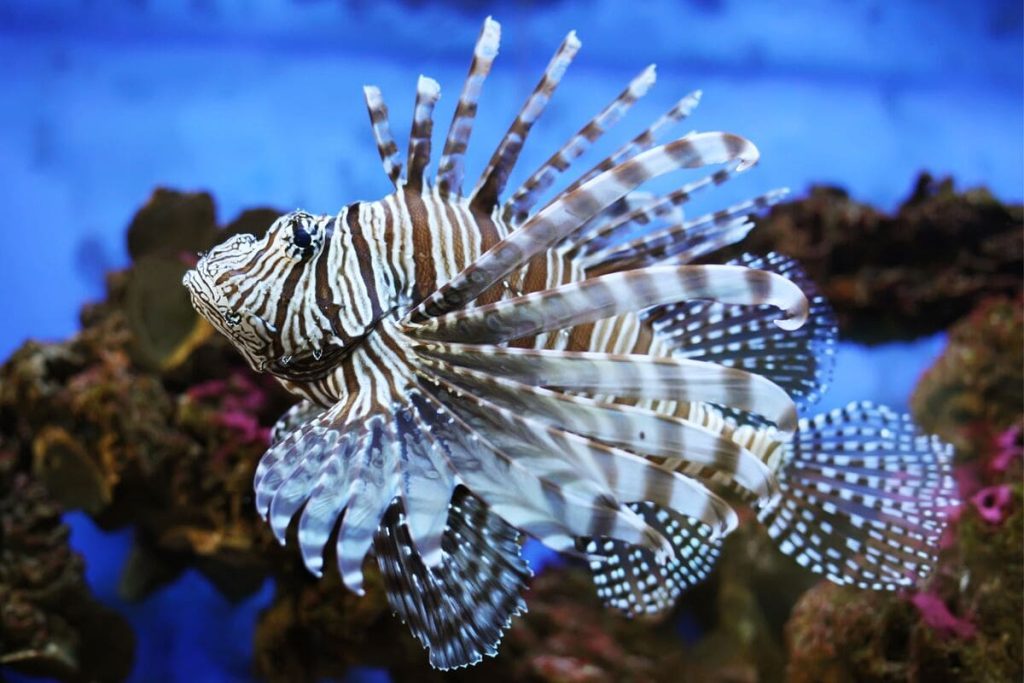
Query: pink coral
{"x": 237, "y": 392}
{"x": 993, "y": 502}
{"x": 1009, "y": 446}
{"x": 247, "y": 426}
{"x": 210, "y": 389}
{"x": 936, "y": 614}
{"x": 239, "y": 399}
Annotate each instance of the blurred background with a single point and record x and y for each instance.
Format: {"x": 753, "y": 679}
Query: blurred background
{"x": 259, "y": 102}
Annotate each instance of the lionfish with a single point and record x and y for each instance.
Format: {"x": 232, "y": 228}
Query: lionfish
{"x": 474, "y": 371}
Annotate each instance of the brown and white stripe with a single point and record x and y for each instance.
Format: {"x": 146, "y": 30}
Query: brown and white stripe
{"x": 492, "y": 181}
{"x": 518, "y": 207}
{"x": 450, "y": 168}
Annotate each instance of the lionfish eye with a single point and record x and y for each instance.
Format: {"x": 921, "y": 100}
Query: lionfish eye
{"x": 300, "y": 237}
{"x": 232, "y": 318}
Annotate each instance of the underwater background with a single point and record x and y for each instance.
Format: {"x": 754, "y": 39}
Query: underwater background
{"x": 259, "y": 103}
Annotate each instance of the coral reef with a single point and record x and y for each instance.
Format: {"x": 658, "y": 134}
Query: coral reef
{"x": 903, "y": 275}
{"x": 118, "y": 423}
{"x": 975, "y": 391}
{"x": 148, "y": 419}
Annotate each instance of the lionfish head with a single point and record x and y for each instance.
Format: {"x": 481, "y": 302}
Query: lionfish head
{"x": 251, "y": 289}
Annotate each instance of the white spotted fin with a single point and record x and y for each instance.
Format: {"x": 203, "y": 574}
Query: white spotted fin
{"x": 629, "y": 580}
{"x": 747, "y": 337}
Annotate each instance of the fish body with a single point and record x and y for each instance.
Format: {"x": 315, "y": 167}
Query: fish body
{"x": 473, "y": 370}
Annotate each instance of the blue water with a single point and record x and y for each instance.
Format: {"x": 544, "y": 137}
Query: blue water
{"x": 259, "y": 102}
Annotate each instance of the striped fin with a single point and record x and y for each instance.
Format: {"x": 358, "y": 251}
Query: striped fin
{"x": 331, "y": 466}
{"x": 799, "y": 361}
{"x": 636, "y": 209}
{"x": 610, "y": 295}
{"x": 427, "y": 94}
{"x": 450, "y": 168}
{"x": 635, "y": 429}
{"x": 518, "y": 429}
{"x": 625, "y": 376}
{"x": 294, "y": 418}
{"x": 426, "y": 486}
{"x": 629, "y": 580}
{"x": 289, "y": 452}
{"x": 865, "y": 498}
{"x": 539, "y": 505}
{"x": 461, "y": 609}
{"x": 684, "y": 242}
{"x": 326, "y": 502}
{"x": 296, "y": 487}
{"x": 372, "y": 483}
{"x": 564, "y": 216}
{"x": 492, "y": 181}
{"x": 642, "y": 142}
{"x": 386, "y": 146}
{"x": 517, "y": 208}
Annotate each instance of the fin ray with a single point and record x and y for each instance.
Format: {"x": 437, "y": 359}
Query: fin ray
{"x": 495, "y": 176}
{"x": 386, "y": 146}
{"x": 630, "y": 376}
{"x": 427, "y": 94}
{"x": 636, "y": 430}
{"x": 536, "y": 504}
{"x": 450, "y": 168}
{"x": 609, "y": 295}
{"x": 642, "y": 142}
{"x": 517, "y": 208}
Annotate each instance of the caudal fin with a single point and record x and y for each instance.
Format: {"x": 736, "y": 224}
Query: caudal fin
{"x": 865, "y": 497}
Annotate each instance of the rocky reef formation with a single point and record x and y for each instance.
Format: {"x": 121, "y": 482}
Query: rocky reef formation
{"x": 143, "y": 419}
{"x": 50, "y": 624}
{"x": 148, "y": 419}
{"x": 906, "y": 274}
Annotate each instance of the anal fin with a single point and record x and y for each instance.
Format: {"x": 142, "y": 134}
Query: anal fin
{"x": 629, "y": 580}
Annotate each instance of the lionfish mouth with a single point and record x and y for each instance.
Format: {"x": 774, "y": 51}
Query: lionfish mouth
{"x": 585, "y": 411}
{"x": 256, "y": 352}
